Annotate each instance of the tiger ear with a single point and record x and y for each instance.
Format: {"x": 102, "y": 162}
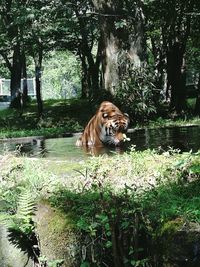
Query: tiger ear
{"x": 126, "y": 115}
{"x": 105, "y": 115}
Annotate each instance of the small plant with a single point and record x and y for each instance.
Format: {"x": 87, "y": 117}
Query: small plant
{"x": 21, "y": 227}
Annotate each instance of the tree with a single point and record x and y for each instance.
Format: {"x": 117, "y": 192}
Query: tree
{"x": 10, "y": 17}
{"x": 123, "y": 40}
{"x": 169, "y": 36}
{"x": 193, "y": 56}
{"x": 77, "y": 31}
{"x": 16, "y": 36}
{"x": 26, "y": 27}
{"x": 39, "y": 39}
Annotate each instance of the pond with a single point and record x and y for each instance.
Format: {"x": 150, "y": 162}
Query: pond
{"x": 182, "y": 138}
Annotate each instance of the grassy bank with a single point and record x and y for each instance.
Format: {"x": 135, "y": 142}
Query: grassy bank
{"x": 59, "y": 117}
{"x": 137, "y": 172}
{"x": 142, "y": 196}
{"x": 64, "y": 116}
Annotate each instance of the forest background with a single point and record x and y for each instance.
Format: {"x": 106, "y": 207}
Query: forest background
{"x": 141, "y": 54}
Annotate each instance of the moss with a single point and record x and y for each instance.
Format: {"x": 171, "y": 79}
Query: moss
{"x": 59, "y": 222}
{"x": 58, "y": 238}
{"x": 171, "y": 227}
{"x": 180, "y": 242}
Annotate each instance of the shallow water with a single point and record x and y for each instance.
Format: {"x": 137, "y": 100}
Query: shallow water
{"x": 182, "y": 138}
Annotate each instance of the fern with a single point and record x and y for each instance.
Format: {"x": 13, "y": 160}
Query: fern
{"x": 25, "y": 210}
{"x": 21, "y": 227}
{"x": 26, "y": 204}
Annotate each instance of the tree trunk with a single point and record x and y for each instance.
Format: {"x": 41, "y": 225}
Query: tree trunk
{"x": 122, "y": 43}
{"x": 24, "y": 77}
{"x": 38, "y": 70}
{"x": 159, "y": 63}
{"x": 197, "y": 104}
{"x": 38, "y": 89}
{"x": 15, "y": 84}
{"x": 24, "y": 90}
{"x": 177, "y": 77}
{"x": 117, "y": 259}
{"x": 90, "y": 68}
{"x": 84, "y": 80}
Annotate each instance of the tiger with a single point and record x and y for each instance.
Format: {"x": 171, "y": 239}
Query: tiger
{"x": 107, "y": 127}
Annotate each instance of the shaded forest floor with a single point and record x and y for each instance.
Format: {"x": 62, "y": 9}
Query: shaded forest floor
{"x": 66, "y": 116}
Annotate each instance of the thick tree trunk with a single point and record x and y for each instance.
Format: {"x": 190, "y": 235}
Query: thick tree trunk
{"x": 177, "y": 77}
{"x": 122, "y": 43}
{"x": 110, "y": 56}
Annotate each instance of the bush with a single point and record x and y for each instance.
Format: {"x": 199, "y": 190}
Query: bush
{"x": 138, "y": 93}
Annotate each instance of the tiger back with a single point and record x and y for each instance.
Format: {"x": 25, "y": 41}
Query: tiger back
{"x": 107, "y": 127}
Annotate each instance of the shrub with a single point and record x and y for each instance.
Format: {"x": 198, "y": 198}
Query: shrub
{"x": 138, "y": 93}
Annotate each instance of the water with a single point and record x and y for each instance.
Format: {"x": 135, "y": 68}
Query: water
{"x": 182, "y": 138}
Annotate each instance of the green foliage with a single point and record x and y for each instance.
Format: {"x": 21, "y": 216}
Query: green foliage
{"x": 100, "y": 215}
{"x": 120, "y": 24}
{"x": 22, "y": 184}
{"x": 131, "y": 218}
{"x": 126, "y": 201}
{"x": 61, "y": 76}
{"x": 176, "y": 199}
{"x": 17, "y": 179}
{"x": 137, "y": 93}
{"x": 52, "y": 263}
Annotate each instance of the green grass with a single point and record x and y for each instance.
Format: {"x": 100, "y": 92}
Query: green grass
{"x": 166, "y": 185}
{"x": 160, "y": 122}
{"x": 60, "y": 116}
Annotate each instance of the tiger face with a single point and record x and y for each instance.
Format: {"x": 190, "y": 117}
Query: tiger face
{"x": 114, "y": 129}
{"x": 108, "y": 126}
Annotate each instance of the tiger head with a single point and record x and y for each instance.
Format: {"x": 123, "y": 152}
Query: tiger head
{"x": 108, "y": 126}
{"x": 114, "y": 124}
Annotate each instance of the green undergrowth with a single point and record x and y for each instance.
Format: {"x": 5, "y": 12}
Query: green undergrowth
{"x": 139, "y": 196}
{"x": 167, "y": 183}
{"x": 144, "y": 173}
{"x": 118, "y": 203}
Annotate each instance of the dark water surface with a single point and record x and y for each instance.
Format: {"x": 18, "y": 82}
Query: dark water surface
{"x": 183, "y": 138}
